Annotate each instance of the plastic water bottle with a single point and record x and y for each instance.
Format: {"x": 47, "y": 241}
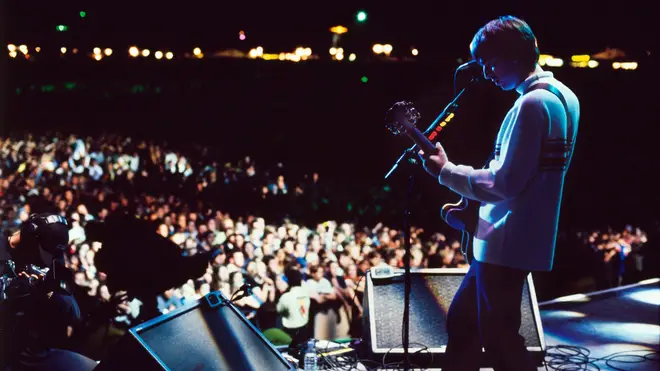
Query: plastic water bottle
{"x": 310, "y": 357}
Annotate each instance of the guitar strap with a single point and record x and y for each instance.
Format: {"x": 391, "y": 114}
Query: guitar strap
{"x": 558, "y": 146}
{"x": 566, "y": 144}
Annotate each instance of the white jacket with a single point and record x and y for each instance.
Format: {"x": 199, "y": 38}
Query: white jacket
{"x": 521, "y": 189}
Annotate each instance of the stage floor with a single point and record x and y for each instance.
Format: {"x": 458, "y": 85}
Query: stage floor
{"x": 625, "y": 319}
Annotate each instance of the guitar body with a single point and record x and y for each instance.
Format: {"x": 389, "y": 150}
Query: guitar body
{"x": 462, "y": 216}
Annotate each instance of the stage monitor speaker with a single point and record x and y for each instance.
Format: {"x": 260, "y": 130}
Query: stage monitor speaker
{"x": 432, "y": 292}
{"x": 207, "y": 335}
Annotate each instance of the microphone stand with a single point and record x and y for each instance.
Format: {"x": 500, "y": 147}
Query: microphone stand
{"x": 407, "y": 276}
{"x": 410, "y": 155}
{"x": 450, "y": 108}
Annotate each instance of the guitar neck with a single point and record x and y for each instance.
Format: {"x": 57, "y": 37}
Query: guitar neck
{"x": 422, "y": 141}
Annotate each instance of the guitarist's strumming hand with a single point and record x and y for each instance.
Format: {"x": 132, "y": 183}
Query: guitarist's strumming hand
{"x": 434, "y": 163}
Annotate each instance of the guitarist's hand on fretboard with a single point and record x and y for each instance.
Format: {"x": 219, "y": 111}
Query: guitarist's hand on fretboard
{"x": 434, "y": 163}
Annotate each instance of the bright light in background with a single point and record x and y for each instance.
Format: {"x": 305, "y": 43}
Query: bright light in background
{"x": 580, "y": 58}
{"x": 197, "y": 51}
{"x": 415, "y": 52}
{"x": 352, "y": 57}
{"x": 11, "y": 47}
{"x": 169, "y": 55}
{"x": 592, "y": 64}
{"x": 158, "y": 54}
{"x": 83, "y": 14}
{"x": 333, "y": 51}
{"x": 378, "y": 48}
{"x": 98, "y": 57}
{"x": 554, "y": 62}
{"x": 63, "y": 50}
{"x": 387, "y": 49}
{"x": 625, "y": 65}
{"x": 37, "y": 49}
{"x": 107, "y": 52}
{"x": 75, "y": 50}
{"x": 133, "y": 51}
{"x": 241, "y": 35}
{"x": 338, "y": 30}
{"x": 364, "y": 79}
{"x": 361, "y": 16}
{"x": 97, "y": 50}
{"x": 62, "y": 28}
{"x": 13, "y": 54}
{"x": 23, "y": 49}
{"x": 146, "y": 52}
{"x": 301, "y": 52}
{"x": 339, "y": 56}
{"x": 543, "y": 58}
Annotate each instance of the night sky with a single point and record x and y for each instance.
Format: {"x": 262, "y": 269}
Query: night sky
{"x": 437, "y": 28}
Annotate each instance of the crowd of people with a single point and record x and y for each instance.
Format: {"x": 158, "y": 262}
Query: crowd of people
{"x": 260, "y": 228}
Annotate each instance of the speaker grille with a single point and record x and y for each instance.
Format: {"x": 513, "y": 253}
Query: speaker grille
{"x": 430, "y": 297}
{"x": 204, "y": 338}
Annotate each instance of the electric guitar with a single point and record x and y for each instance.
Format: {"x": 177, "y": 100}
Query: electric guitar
{"x": 401, "y": 119}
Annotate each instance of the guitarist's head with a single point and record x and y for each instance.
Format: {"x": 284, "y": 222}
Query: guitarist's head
{"x": 507, "y": 50}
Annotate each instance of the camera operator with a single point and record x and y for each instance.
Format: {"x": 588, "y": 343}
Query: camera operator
{"x": 38, "y": 312}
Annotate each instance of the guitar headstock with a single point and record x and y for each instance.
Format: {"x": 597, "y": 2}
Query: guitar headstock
{"x": 401, "y": 118}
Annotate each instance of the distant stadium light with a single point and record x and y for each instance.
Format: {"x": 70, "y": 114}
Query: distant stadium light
{"x": 352, "y": 57}
{"x": 626, "y": 65}
{"x": 581, "y": 58}
{"x": 63, "y": 50}
{"x": 378, "y": 48}
{"x": 158, "y": 54}
{"x": 107, "y": 52}
{"x": 169, "y": 55}
{"x": 414, "y": 52}
{"x": 361, "y": 16}
{"x": 133, "y": 51}
{"x": 554, "y": 62}
{"x": 338, "y": 30}
{"x": 146, "y": 52}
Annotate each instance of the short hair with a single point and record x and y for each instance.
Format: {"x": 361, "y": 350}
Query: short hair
{"x": 294, "y": 277}
{"x": 506, "y": 37}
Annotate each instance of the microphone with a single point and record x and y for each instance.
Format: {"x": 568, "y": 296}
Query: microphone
{"x": 467, "y": 65}
{"x": 246, "y": 291}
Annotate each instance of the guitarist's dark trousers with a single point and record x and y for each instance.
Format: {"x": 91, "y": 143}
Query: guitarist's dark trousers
{"x": 486, "y": 311}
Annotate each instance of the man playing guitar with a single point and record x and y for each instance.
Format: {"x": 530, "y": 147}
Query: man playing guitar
{"x": 520, "y": 192}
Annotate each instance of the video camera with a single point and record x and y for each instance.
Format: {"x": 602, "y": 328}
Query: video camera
{"x": 34, "y": 288}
